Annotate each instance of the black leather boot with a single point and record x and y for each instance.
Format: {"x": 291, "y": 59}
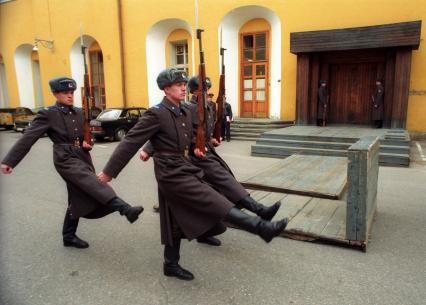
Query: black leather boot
{"x": 264, "y": 212}
{"x": 171, "y": 265}
{"x": 131, "y": 213}
{"x": 212, "y": 241}
{"x": 265, "y": 229}
{"x": 68, "y": 233}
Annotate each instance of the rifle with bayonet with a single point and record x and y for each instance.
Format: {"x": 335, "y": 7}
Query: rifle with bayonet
{"x": 86, "y": 101}
{"x": 217, "y": 132}
{"x": 201, "y": 95}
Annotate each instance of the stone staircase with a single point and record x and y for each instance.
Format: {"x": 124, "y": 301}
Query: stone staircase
{"x": 249, "y": 129}
{"x": 394, "y": 146}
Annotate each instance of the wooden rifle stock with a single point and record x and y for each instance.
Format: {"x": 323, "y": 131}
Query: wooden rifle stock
{"x": 87, "y": 137}
{"x": 217, "y": 132}
{"x": 201, "y": 94}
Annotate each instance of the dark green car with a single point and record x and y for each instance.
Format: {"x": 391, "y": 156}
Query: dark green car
{"x": 114, "y": 123}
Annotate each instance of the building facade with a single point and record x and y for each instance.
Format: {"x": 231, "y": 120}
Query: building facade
{"x": 129, "y": 42}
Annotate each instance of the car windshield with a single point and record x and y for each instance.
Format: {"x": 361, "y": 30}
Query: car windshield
{"x": 109, "y": 114}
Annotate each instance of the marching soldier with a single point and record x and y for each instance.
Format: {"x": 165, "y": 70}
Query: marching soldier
{"x": 216, "y": 172}
{"x": 87, "y": 196}
{"x": 322, "y": 104}
{"x": 377, "y": 98}
{"x": 190, "y": 207}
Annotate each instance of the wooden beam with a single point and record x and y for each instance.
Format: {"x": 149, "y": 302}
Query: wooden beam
{"x": 404, "y": 34}
{"x": 302, "y": 89}
{"x": 401, "y": 87}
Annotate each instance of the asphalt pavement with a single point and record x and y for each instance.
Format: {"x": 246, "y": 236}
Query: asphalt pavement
{"x": 123, "y": 265}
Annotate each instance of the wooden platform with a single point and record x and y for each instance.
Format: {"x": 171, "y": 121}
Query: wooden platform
{"x": 311, "y": 219}
{"x": 316, "y": 176}
{"x": 332, "y": 141}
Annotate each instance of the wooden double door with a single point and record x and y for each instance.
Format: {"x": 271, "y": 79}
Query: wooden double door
{"x": 350, "y": 88}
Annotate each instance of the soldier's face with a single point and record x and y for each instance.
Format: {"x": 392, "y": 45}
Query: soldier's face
{"x": 65, "y": 97}
{"x": 176, "y": 92}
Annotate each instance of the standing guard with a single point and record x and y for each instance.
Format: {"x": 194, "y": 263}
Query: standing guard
{"x": 190, "y": 207}
{"x": 87, "y": 196}
{"x": 377, "y": 98}
{"x": 323, "y": 99}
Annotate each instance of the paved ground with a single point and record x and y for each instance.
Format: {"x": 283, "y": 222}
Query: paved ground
{"x": 124, "y": 262}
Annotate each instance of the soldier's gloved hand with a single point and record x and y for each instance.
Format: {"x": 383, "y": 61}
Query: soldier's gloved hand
{"x": 104, "y": 177}
{"x": 144, "y": 156}
{"x": 6, "y": 169}
{"x": 215, "y": 142}
{"x": 198, "y": 153}
{"x": 87, "y": 146}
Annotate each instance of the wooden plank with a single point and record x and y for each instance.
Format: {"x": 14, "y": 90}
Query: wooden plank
{"x": 369, "y": 37}
{"x": 314, "y": 217}
{"x": 272, "y": 198}
{"x": 291, "y": 205}
{"x": 317, "y": 176}
{"x": 336, "y": 227}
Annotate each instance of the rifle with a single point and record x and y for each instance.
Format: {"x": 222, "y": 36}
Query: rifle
{"x": 201, "y": 95}
{"x": 220, "y": 100}
{"x": 86, "y": 101}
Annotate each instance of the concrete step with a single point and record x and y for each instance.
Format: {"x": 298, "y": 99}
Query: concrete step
{"x": 261, "y": 122}
{"x": 245, "y": 134}
{"x": 303, "y": 143}
{"x": 271, "y": 135}
{"x": 328, "y": 145}
{"x": 251, "y": 130}
{"x": 238, "y": 138}
{"x": 261, "y": 126}
{"x": 391, "y": 159}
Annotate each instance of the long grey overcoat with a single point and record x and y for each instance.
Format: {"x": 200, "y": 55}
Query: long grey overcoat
{"x": 189, "y": 202}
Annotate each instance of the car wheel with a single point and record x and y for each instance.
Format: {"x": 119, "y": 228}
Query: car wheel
{"x": 120, "y": 134}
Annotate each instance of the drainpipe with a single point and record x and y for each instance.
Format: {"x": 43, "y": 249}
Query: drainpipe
{"x": 120, "y": 34}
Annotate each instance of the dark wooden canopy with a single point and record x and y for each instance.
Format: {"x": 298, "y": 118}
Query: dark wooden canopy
{"x": 404, "y": 34}
{"x": 350, "y": 60}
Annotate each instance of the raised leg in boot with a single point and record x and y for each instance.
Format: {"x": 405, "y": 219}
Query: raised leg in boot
{"x": 68, "y": 233}
{"x": 171, "y": 265}
{"x": 265, "y": 229}
{"x": 131, "y": 213}
{"x": 264, "y": 212}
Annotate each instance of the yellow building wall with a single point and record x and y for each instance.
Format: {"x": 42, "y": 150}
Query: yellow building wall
{"x": 60, "y": 21}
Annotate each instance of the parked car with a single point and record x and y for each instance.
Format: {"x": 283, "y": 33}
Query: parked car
{"x": 24, "y": 122}
{"x": 114, "y": 123}
{"x": 8, "y": 116}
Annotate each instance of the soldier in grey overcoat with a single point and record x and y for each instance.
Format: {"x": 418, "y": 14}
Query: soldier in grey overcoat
{"x": 323, "y": 98}
{"x": 190, "y": 207}
{"x": 377, "y": 98}
{"x": 87, "y": 196}
{"x": 216, "y": 171}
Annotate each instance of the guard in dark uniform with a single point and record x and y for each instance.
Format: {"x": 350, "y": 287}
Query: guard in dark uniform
{"x": 377, "y": 98}
{"x": 322, "y": 112}
{"x": 227, "y": 118}
{"x": 190, "y": 207}
{"x": 87, "y": 196}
